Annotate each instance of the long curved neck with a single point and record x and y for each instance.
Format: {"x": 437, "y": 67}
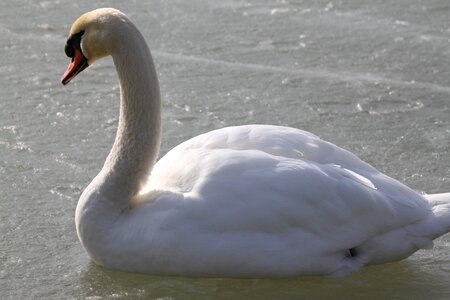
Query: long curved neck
{"x": 138, "y": 135}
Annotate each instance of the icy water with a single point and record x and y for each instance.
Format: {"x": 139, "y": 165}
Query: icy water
{"x": 370, "y": 76}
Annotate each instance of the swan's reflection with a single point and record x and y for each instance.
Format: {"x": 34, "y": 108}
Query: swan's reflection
{"x": 402, "y": 280}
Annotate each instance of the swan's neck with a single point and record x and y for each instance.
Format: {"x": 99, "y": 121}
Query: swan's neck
{"x": 138, "y": 135}
{"x": 135, "y": 148}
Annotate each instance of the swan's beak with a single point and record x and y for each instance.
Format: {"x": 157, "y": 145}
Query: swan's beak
{"x": 77, "y": 64}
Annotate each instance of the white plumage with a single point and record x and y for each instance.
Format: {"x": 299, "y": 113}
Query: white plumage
{"x": 246, "y": 201}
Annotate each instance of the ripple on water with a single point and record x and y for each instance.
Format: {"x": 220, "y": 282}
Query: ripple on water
{"x": 381, "y": 107}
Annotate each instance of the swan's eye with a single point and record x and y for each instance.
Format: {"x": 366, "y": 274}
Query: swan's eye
{"x": 73, "y": 42}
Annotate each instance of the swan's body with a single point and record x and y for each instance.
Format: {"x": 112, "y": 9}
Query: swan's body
{"x": 255, "y": 200}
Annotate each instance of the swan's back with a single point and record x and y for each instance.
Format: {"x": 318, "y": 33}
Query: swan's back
{"x": 275, "y": 141}
{"x": 268, "y": 191}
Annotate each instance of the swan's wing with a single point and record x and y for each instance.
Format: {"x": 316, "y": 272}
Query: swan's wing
{"x": 285, "y": 184}
{"x": 276, "y": 140}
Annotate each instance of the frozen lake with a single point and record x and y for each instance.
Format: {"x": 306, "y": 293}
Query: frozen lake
{"x": 370, "y": 76}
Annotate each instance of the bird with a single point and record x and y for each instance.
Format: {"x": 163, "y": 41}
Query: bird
{"x": 255, "y": 201}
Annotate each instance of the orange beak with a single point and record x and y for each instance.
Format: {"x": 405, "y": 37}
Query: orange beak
{"x": 76, "y": 65}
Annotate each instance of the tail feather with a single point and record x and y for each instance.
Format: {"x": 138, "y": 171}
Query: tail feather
{"x": 440, "y": 204}
{"x": 438, "y": 198}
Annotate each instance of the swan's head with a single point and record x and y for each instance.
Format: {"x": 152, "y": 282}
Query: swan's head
{"x": 92, "y": 36}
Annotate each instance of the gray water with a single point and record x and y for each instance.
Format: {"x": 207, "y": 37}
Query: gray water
{"x": 370, "y": 76}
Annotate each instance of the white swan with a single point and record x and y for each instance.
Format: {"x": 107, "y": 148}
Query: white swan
{"x": 247, "y": 201}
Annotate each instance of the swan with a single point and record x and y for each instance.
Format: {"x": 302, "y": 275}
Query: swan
{"x": 244, "y": 201}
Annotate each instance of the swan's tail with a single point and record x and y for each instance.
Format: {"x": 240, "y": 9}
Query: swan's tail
{"x": 440, "y": 204}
